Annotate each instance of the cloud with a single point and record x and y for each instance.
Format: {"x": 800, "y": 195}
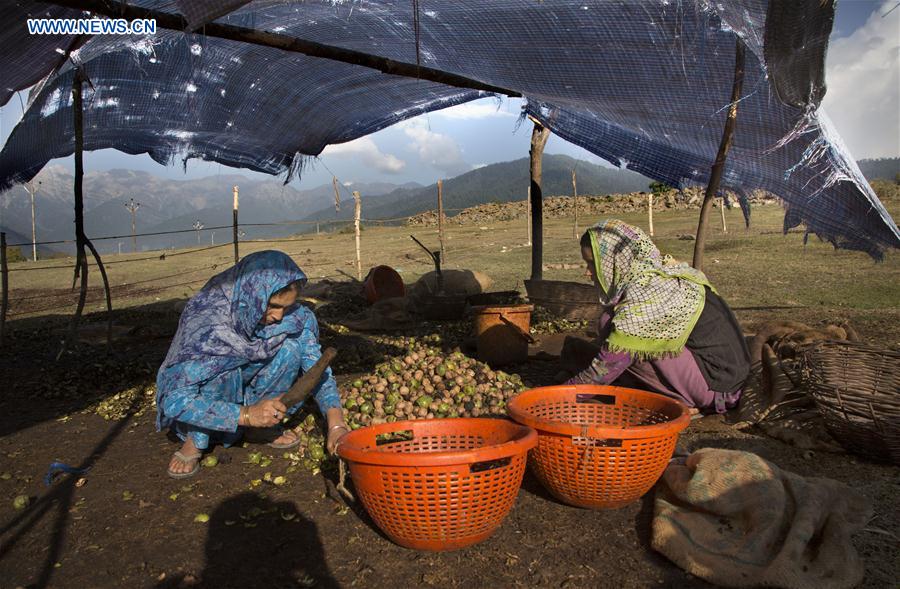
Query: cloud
{"x": 440, "y": 151}
{"x": 481, "y": 109}
{"x": 368, "y": 153}
{"x": 863, "y": 78}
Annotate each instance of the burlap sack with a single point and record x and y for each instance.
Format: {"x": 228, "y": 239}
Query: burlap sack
{"x": 466, "y": 282}
{"x": 736, "y": 520}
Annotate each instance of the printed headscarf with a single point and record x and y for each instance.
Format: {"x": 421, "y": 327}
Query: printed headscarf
{"x": 220, "y": 326}
{"x": 656, "y": 300}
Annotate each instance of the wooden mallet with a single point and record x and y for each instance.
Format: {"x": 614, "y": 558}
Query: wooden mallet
{"x": 309, "y": 380}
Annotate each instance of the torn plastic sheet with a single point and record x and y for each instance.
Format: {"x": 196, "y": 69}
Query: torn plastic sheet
{"x": 645, "y": 81}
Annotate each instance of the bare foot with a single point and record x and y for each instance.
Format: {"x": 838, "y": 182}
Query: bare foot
{"x": 190, "y": 451}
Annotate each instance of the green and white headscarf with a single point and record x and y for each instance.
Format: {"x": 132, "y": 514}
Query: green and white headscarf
{"x": 657, "y": 301}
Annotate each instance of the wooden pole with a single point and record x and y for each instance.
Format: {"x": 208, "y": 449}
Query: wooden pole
{"x": 31, "y": 190}
{"x": 81, "y": 266}
{"x": 4, "y": 284}
{"x": 539, "y": 136}
{"x": 719, "y": 166}
{"x": 650, "y": 212}
{"x": 356, "y": 215}
{"x": 337, "y": 194}
{"x": 81, "y": 240}
{"x": 234, "y": 224}
{"x": 575, "y": 203}
{"x": 133, "y": 207}
{"x": 724, "y": 227}
{"x": 528, "y": 213}
{"x": 440, "y": 187}
{"x": 176, "y": 22}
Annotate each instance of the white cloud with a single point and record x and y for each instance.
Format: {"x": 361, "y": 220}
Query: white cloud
{"x": 440, "y": 151}
{"x": 480, "y": 109}
{"x": 368, "y": 153}
{"x": 863, "y": 78}
{"x": 477, "y": 166}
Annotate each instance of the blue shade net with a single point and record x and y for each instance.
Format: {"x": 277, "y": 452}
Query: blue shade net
{"x": 643, "y": 84}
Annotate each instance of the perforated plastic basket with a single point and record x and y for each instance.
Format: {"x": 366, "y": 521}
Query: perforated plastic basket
{"x": 599, "y": 446}
{"x": 438, "y": 484}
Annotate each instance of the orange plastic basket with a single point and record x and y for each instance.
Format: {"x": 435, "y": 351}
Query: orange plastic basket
{"x": 599, "y": 446}
{"x": 438, "y": 484}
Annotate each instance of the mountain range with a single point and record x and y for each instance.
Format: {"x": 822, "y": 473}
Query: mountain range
{"x": 173, "y": 205}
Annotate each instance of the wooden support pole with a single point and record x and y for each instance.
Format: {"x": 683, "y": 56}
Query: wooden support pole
{"x": 176, "y": 22}
{"x": 356, "y": 215}
{"x": 528, "y": 213}
{"x": 4, "y": 284}
{"x": 81, "y": 266}
{"x": 575, "y": 203}
{"x": 440, "y": 187}
{"x": 539, "y": 136}
{"x": 718, "y": 168}
{"x": 724, "y": 227}
{"x": 81, "y": 240}
{"x": 234, "y": 224}
{"x": 650, "y": 212}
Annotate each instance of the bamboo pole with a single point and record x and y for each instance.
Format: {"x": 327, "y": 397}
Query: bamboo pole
{"x": 650, "y": 212}
{"x": 539, "y": 136}
{"x": 440, "y": 187}
{"x": 528, "y": 214}
{"x": 176, "y": 22}
{"x": 718, "y": 168}
{"x": 575, "y": 203}
{"x": 356, "y": 216}
{"x": 234, "y": 224}
{"x": 4, "y": 284}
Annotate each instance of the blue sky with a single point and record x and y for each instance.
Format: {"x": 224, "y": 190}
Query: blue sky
{"x": 863, "y": 77}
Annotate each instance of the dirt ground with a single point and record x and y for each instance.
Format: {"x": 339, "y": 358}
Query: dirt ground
{"x": 129, "y": 525}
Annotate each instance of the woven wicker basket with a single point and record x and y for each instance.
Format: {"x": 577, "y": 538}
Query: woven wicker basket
{"x": 569, "y": 300}
{"x": 857, "y": 390}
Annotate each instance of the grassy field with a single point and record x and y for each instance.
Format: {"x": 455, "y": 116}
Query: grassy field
{"x": 762, "y": 273}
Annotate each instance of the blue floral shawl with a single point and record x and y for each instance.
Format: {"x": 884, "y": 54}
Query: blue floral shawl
{"x": 220, "y": 327}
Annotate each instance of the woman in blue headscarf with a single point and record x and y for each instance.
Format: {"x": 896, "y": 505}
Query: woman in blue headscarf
{"x": 241, "y": 343}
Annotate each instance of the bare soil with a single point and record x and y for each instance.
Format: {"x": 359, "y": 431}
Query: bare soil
{"x": 129, "y": 525}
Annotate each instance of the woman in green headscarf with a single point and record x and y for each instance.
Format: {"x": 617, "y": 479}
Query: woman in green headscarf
{"x": 665, "y": 329}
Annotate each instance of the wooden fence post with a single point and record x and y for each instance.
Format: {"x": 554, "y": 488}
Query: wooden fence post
{"x": 4, "y": 284}
{"x": 575, "y": 203}
{"x": 528, "y": 213}
{"x": 650, "y": 212}
{"x": 234, "y": 225}
{"x": 724, "y": 228}
{"x": 356, "y": 199}
{"x": 440, "y": 187}
{"x": 337, "y": 194}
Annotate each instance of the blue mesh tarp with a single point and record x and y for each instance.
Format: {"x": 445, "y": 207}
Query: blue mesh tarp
{"x": 645, "y": 84}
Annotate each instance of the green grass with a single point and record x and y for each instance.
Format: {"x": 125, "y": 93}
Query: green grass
{"x": 762, "y": 273}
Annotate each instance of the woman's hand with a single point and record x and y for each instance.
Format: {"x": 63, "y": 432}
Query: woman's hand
{"x": 266, "y": 413}
{"x": 337, "y": 429}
